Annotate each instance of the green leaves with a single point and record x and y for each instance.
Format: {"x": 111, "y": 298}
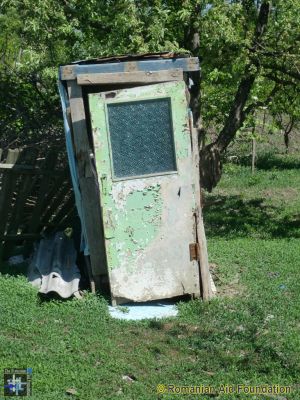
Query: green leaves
{"x": 36, "y": 36}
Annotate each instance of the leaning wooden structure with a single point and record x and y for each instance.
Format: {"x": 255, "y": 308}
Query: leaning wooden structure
{"x": 134, "y": 160}
{"x": 36, "y": 196}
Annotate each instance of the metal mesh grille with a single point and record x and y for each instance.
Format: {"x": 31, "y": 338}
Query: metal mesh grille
{"x": 141, "y": 136}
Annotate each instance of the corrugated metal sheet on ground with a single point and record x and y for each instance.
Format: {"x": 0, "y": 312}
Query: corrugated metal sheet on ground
{"x": 53, "y": 266}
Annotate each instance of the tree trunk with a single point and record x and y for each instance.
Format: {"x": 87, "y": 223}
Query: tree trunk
{"x": 253, "y": 156}
{"x": 210, "y": 155}
{"x": 286, "y": 134}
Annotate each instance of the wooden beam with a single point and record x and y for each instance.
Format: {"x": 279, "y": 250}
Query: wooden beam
{"x": 34, "y": 225}
{"x": 131, "y": 77}
{"x": 54, "y": 198}
{"x": 87, "y": 181}
{"x": 90, "y": 274}
{"x": 67, "y": 72}
{"x": 31, "y": 169}
{"x": 188, "y": 64}
{"x": 21, "y": 236}
{"x": 25, "y": 187}
{"x": 6, "y": 194}
{"x": 201, "y": 238}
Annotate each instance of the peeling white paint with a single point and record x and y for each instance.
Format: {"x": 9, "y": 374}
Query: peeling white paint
{"x": 122, "y": 189}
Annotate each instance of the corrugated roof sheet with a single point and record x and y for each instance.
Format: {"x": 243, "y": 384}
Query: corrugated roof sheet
{"x": 53, "y": 266}
{"x": 132, "y": 57}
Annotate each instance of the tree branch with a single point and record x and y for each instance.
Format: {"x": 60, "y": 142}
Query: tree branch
{"x": 283, "y": 69}
{"x": 279, "y": 81}
{"x": 210, "y": 155}
{"x": 253, "y": 106}
{"x": 237, "y": 114}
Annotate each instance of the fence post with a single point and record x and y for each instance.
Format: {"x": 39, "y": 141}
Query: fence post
{"x": 253, "y": 156}
{"x": 6, "y": 194}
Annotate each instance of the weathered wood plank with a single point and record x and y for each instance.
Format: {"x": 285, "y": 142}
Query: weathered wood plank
{"x": 67, "y": 207}
{"x": 21, "y": 236}
{"x": 56, "y": 201}
{"x": 34, "y": 224}
{"x": 6, "y": 194}
{"x": 20, "y": 196}
{"x": 90, "y": 274}
{"x": 59, "y": 182}
{"x": 68, "y": 219}
{"x": 67, "y": 72}
{"x": 25, "y": 187}
{"x": 201, "y": 238}
{"x": 131, "y": 77}
{"x": 30, "y": 169}
{"x": 130, "y": 66}
{"x": 87, "y": 180}
{"x": 70, "y": 72}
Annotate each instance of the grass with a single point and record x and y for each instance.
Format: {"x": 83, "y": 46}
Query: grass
{"x": 249, "y": 334}
{"x": 264, "y": 205}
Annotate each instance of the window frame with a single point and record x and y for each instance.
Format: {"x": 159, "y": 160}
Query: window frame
{"x": 114, "y": 178}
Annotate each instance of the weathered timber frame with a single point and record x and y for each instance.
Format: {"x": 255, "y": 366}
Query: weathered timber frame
{"x": 102, "y": 75}
{"x": 36, "y": 196}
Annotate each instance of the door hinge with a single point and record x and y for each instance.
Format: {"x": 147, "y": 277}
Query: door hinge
{"x": 194, "y": 251}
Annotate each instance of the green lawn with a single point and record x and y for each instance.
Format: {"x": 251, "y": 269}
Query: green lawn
{"x": 248, "y": 335}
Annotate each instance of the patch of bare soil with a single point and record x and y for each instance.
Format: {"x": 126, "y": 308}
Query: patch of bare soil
{"x": 230, "y": 289}
{"x": 283, "y": 194}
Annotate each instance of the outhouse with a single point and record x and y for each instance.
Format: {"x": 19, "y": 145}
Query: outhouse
{"x": 134, "y": 160}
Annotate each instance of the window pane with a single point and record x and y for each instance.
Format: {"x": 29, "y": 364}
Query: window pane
{"x": 141, "y": 136}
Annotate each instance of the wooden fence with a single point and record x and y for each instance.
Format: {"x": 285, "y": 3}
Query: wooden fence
{"x": 36, "y": 196}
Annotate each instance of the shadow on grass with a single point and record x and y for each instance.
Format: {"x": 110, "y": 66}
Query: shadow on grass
{"x": 14, "y": 270}
{"x": 232, "y": 216}
{"x": 271, "y": 161}
{"x": 246, "y": 352}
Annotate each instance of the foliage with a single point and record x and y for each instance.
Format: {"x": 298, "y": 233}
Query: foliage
{"x": 38, "y": 35}
{"x": 225, "y": 55}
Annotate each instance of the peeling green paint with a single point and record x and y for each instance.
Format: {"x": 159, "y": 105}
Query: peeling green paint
{"x": 137, "y": 226}
{"x": 133, "y": 209}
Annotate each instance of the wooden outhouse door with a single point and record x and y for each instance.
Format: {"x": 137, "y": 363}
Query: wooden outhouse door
{"x": 145, "y": 170}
